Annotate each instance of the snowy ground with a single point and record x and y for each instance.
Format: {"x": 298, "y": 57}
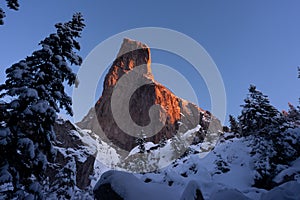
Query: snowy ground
{"x": 226, "y": 172}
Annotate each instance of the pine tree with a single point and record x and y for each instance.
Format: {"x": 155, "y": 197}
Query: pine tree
{"x": 273, "y": 144}
{"x": 11, "y": 4}
{"x": 2, "y": 15}
{"x": 65, "y": 182}
{"x": 162, "y": 142}
{"x": 34, "y": 91}
{"x": 293, "y": 114}
{"x": 141, "y": 143}
{"x": 257, "y": 113}
{"x": 234, "y": 127}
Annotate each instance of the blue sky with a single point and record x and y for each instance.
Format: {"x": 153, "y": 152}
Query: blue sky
{"x": 251, "y": 42}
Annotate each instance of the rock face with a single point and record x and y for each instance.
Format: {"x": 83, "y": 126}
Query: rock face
{"x": 177, "y": 114}
{"x": 71, "y": 150}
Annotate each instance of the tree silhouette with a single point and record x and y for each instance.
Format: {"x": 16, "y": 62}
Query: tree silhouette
{"x": 11, "y": 4}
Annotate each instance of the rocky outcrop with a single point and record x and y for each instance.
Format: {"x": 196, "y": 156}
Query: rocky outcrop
{"x": 176, "y": 114}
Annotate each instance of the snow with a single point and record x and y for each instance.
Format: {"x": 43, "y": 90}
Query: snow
{"x": 26, "y": 143}
{"x": 106, "y": 156}
{"x": 41, "y": 107}
{"x": 58, "y": 57}
{"x": 4, "y": 133}
{"x": 90, "y": 144}
{"x": 78, "y": 153}
{"x": 137, "y": 189}
{"x": 237, "y": 157}
{"x": 29, "y": 93}
{"x": 136, "y": 150}
{"x": 228, "y": 135}
{"x": 15, "y": 104}
{"x": 289, "y": 190}
{"x": 197, "y": 171}
{"x": 191, "y": 191}
{"x": 6, "y": 187}
{"x": 5, "y": 175}
{"x": 159, "y": 157}
{"x": 186, "y": 175}
{"x": 293, "y": 170}
{"x": 35, "y": 187}
{"x": 17, "y": 73}
{"x": 228, "y": 194}
{"x": 293, "y": 135}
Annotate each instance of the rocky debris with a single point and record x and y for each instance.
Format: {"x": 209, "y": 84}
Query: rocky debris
{"x": 179, "y": 115}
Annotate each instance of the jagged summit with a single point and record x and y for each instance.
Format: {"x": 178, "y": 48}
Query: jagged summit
{"x": 131, "y": 45}
{"x": 135, "y": 57}
{"x": 131, "y": 54}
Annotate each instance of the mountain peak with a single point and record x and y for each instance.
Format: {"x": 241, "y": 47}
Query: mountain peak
{"x": 132, "y": 54}
{"x": 132, "y": 71}
{"x": 135, "y": 54}
{"x": 131, "y": 45}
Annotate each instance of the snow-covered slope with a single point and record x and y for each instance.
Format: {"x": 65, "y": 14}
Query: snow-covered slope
{"x": 227, "y": 172}
{"x": 228, "y": 166}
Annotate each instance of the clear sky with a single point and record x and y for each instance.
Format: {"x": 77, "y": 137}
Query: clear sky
{"x": 251, "y": 42}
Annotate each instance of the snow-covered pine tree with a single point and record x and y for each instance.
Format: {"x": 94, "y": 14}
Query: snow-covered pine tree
{"x": 257, "y": 113}
{"x": 64, "y": 185}
{"x": 33, "y": 94}
{"x": 234, "y": 127}
{"x": 274, "y": 145}
{"x": 293, "y": 114}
